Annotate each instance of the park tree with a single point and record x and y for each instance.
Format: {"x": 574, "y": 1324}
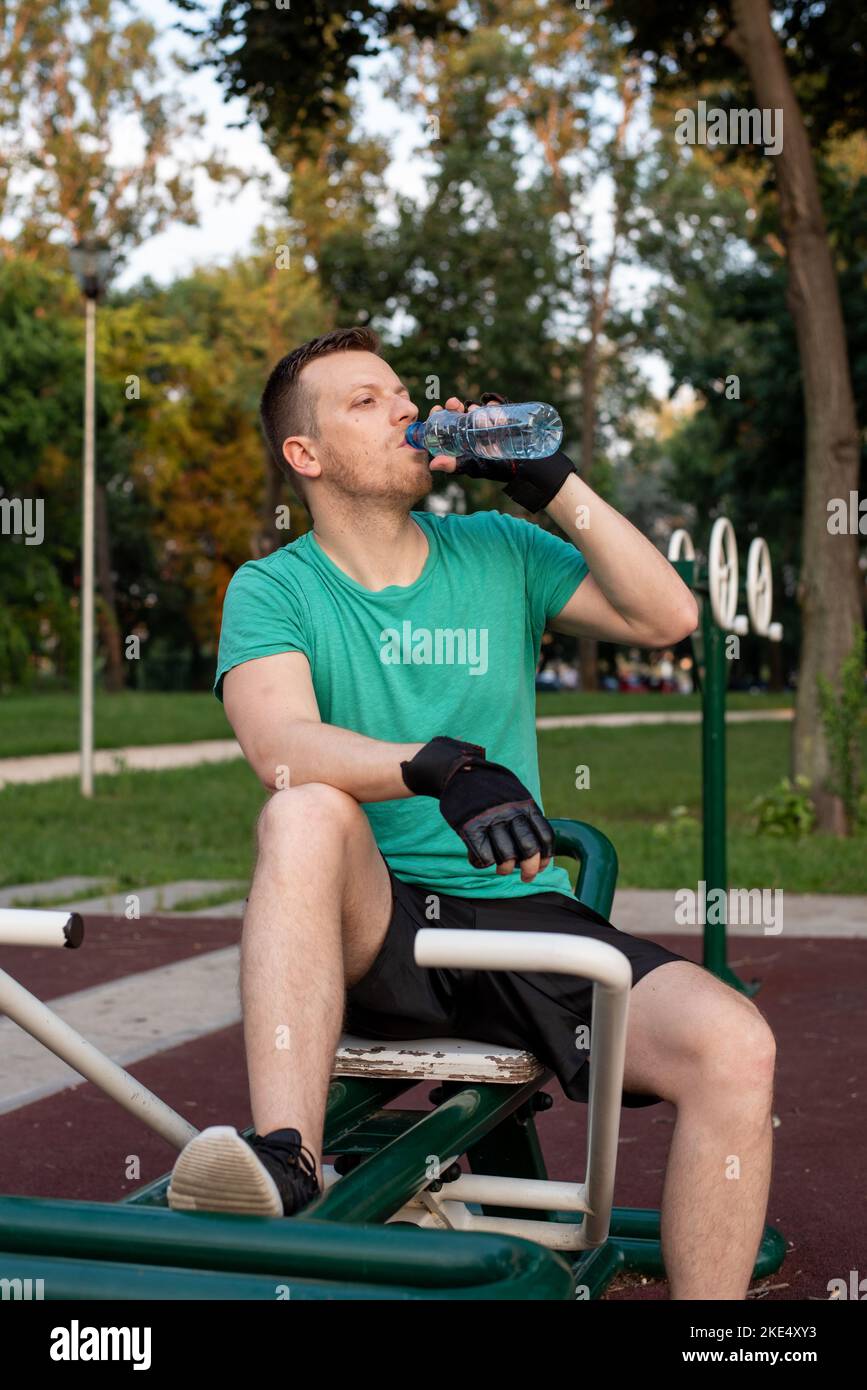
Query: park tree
{"x": 203, "y": 346}
{"x": 291, "y": 70}
{"x": 292, "y": 67}
{"x": 482, "y": 307}
{"x": 568, "y": 96}
{"x": 796, "y": 59}
{"x": 716, "y": 312}
{"x": 81, "y": 86}
{"x": 40, "y": 388}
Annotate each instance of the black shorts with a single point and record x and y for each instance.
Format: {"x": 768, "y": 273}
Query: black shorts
{"x": 538, "y": 1011}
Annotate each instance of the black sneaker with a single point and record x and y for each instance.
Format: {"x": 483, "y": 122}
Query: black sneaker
{"x": 291, "y": 1165}
{"x": 270, "y": 1175}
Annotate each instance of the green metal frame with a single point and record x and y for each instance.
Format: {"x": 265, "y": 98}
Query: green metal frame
{"x": 713, "y": 775}
{"x": 340, "y": 1246}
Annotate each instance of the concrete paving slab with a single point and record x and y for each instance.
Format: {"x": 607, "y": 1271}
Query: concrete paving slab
{"x": 73, "y": 886}
{"x": 651, "y": 912}
{"x": 160, "y": 899}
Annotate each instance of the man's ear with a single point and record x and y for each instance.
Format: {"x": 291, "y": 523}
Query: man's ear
{"x": 299, "y": 459}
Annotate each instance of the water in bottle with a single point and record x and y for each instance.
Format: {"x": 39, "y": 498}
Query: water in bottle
{"x": 523, "y": 430}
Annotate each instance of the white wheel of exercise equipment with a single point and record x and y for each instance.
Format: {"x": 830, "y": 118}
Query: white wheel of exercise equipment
{"x": 680, "y": 546}
{"x": 760, "y": 587}
{"x": 722, "y": 572}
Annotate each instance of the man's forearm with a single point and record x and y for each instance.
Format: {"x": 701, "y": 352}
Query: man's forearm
{"x": 634, "y": 576}
{"x": 366, "y": 768}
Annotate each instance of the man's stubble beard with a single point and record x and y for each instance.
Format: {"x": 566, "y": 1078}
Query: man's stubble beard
{"x": 349, "y": 491}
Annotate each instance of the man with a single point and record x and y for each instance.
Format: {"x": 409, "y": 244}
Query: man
{"x": 379, "y": 675}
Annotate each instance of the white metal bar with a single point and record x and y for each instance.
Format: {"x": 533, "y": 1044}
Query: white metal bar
{"x": 28, "y": 926}
{"x": 37, "y": 1019}
{"x": 431, "y": 1213}
{"x": 556, "y": 1235}
{"x": 611, "y": 973}
{"x": 539, "y": 1194}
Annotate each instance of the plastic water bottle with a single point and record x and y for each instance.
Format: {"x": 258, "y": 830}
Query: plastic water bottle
{"x": 525, "y": 430}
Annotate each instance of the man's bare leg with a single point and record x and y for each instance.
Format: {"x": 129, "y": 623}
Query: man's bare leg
{"x": 716, "y": 1194}
{"x": 317, "y": 914}
{"x": 695, "y": 1041}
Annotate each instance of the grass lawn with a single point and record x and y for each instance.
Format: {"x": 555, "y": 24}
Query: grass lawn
{"x": 613, "y": 702}
{"x": 638, "y": 775}
{"x": 153, "y": 827}
{"x": 48, "y": 723}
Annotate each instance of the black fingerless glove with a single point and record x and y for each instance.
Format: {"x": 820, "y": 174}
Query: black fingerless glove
{"x": 493, "y": 813}
{"x": 427, "y": 773}
{"x": 531, "y": 482}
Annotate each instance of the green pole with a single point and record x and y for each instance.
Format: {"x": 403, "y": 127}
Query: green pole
{"x": 713, "y": 754}
{"x": 713, "y": 750}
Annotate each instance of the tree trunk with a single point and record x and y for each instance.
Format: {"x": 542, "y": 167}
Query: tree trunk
{"x": 829, "y": 589}
{"x": 115, "y": 672}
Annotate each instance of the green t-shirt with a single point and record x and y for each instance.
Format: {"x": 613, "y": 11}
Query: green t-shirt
{"x": 454, "y": 653}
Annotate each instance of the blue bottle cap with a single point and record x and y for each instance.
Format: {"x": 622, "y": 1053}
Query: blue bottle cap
{"x": 415, "y": 435}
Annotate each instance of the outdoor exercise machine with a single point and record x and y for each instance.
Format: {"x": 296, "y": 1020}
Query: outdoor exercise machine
{"x": 398, "y": 1219}
{"x": 718, "y": 591}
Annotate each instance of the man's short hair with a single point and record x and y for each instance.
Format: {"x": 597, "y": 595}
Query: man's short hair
{"x": 288, "y": 405}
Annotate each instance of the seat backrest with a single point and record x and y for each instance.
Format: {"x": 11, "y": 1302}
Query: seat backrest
{"x": 597, "y": 876}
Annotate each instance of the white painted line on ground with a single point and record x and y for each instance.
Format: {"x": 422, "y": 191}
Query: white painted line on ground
{"x": 626, "y": 721}
{"x": 149, "y": 758}
{"x": 127, "y": 1019}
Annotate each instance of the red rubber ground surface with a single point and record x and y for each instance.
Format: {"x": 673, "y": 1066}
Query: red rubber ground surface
{"x": 79, "y": 1144}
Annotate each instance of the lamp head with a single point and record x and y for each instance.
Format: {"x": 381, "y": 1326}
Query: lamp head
{"x": 92, "y": 264}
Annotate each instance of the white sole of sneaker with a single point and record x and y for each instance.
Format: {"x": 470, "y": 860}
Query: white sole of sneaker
{"x": 218, "y": 1171}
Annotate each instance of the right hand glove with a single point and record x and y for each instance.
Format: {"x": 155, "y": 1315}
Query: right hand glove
{"x": 494, "y": 814}
{"x": 532, "y": 483}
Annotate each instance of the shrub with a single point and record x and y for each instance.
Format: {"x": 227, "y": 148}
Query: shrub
{"x": 787, "y": 810}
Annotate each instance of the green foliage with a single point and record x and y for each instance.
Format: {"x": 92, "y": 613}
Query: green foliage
{"x": 841, "y": 718}
{"x": 291, "y": 65}
{"x": 785, "y": 811}
{"x": 14, "y": 650}
{"x": 679, "y": 828}
{"x": 40, "y": 442}
{"x": 719, "y": 309}
{"x": 70, "y": 72}
{"x": 685, "y": 40}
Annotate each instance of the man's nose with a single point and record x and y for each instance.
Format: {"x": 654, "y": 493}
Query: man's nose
{"x": 407, "y": 413}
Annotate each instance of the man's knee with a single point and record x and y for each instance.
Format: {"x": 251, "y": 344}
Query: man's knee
{"x": 694, "y": 1037}
{"x": 315, "y": 810}
{"x": 737, "y": 1047}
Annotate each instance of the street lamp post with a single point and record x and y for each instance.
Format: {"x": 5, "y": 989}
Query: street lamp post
{"x": 91, "y": 263}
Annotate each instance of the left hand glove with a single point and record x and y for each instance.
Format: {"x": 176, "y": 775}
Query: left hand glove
{"x": 533, "y": 483}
